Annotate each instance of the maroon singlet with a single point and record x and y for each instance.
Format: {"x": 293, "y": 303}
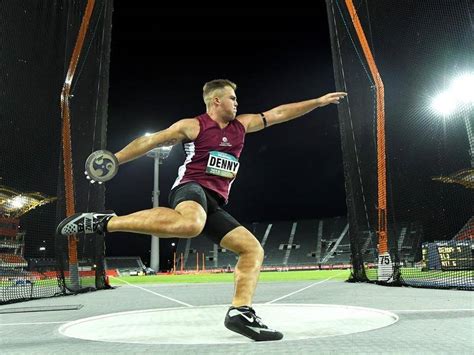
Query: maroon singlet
{"x": 211, "y": 138}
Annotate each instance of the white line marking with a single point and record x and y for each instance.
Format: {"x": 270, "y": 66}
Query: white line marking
{"x": 433, "y": 310}
{"x": 156, "y": 294}
{"x": 304, "y": 288}
{"x": 33, "y": 323}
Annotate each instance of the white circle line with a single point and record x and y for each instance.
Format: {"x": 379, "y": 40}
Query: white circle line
{"x": 62, "y": 329}
{"x": 433, "y": 310}
{"x": 32, "y": 323}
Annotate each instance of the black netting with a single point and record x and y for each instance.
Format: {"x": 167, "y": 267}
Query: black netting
{"x": 37, "y": 41}
{"x": 419, "y": 49}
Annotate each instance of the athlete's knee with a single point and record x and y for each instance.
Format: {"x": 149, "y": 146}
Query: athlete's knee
{"x": 255, "y": 249}
{"x": 194, "y": 228}
{"x": 259, "y": 253}
{"x": 190, "y": 228}
{"x": 192, "y": 221}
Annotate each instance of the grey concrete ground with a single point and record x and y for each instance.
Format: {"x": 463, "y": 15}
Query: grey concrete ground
{"x": 430, "y": 321}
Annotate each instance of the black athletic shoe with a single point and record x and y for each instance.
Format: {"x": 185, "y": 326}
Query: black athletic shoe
{"x": 243, "y": 320}
{"x": 85, "y": 223}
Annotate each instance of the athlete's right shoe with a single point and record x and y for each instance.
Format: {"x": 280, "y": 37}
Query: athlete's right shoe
{"x": 85, "y": 223}
{"x": 244, "y": 321}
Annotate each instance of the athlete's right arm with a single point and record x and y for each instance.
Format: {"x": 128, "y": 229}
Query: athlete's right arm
{"x": 186, "y": 129}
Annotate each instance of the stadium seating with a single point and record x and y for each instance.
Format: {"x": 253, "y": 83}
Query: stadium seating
{"x": 315, "y": 243}
{"x": 286, "y": 244}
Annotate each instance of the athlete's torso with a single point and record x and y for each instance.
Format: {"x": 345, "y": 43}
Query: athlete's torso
{"x": 207, "y": 156}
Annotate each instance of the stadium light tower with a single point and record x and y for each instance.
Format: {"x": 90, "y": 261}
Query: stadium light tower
{"x": 459, "y": 98}
{"x": 158, "y": 154}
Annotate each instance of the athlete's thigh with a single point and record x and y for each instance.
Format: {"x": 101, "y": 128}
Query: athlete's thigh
{"x": 191, "y": 202}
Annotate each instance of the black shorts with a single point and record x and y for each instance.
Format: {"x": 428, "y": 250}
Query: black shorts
{"x": 219, "y": 222}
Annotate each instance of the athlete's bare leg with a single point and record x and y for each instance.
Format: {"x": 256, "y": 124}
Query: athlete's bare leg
{"x": 247, "y": 270}
{"x": 186, "y": 220}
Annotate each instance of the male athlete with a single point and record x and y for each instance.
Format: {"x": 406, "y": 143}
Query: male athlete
{"x": 213, "y": 142}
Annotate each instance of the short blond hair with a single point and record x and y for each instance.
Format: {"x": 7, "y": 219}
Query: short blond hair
{"x": 213, "y": 87}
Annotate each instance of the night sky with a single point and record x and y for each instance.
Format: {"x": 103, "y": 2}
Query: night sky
{"x": 160, "y": 59}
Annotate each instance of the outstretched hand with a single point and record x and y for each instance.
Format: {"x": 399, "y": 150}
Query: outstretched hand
{"x": 331, "y": 98}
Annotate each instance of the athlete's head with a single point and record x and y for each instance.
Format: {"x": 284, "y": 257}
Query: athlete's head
{"x": 219, "y": 95}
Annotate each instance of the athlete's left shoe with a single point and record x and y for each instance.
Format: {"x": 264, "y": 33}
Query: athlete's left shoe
{"x": 85, "y": 223}
{"x": 243, "y": 320}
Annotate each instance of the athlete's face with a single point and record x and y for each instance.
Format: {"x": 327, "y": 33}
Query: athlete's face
{"x": 229, "y": 103}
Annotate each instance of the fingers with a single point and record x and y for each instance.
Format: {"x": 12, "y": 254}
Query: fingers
{"x": 338, "y": 95}
{"x": 90, "y": 180}
{"x": 335, "y": 97}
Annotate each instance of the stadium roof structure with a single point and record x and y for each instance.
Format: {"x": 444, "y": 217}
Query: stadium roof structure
{"x": 15, "y": 204}
{"x": 463, "y": 177}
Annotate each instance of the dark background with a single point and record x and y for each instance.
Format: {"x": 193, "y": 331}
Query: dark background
{"x": 161, "y": 58}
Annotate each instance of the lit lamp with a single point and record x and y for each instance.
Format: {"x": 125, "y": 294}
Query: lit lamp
{"x": 459, "y": 98}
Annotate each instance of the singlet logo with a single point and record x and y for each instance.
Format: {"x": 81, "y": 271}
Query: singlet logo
{"x": 225, "y": 142}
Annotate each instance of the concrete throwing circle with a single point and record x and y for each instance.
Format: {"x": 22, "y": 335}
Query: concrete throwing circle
{"x": 205, "y": 325}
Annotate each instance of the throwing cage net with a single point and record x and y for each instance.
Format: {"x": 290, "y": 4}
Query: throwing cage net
{"x": 54, "y": 75}
{"x": 407, "y": 133}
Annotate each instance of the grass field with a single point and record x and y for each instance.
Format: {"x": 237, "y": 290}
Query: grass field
{"x": 408, "y": 274}
{"x": 229, "y": 277}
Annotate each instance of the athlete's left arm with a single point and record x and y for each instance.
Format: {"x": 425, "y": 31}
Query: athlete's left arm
{"x": 283, "y": 113}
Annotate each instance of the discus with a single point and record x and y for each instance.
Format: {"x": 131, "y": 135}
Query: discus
{"x": 101, "y": 166}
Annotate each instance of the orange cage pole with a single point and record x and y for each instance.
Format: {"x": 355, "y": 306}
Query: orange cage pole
{"x": 381, "y": 157}
{"x": 182, "y": 262}
{"x": 203, "y": 262}
{"x": 66, "y": 137}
